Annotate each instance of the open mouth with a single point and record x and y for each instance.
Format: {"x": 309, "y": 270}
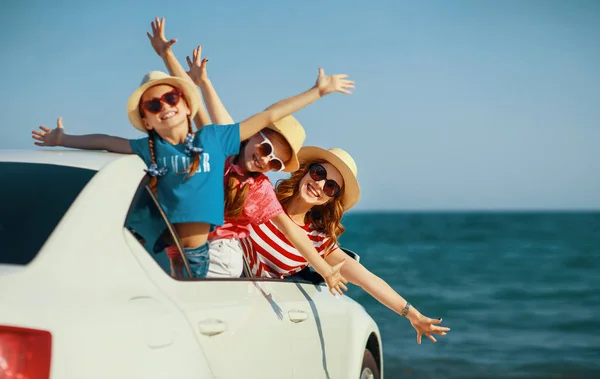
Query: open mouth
{"x": 312, "y": 190}
{"x": 256, "y": 162}
{"x": 167, "y": 115}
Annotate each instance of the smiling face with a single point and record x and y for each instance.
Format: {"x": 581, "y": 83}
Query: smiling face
{"x": 173, "y": 110}
{"x": 311, "y": 191}
{"x": 253, "y": 158}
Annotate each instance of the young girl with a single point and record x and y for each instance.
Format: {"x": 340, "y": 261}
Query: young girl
{"x": 188, "y": 166}
{"x": 315, "y": 197}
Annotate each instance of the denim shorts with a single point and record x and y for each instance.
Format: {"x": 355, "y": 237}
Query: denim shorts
{"x": 198, "y": 259}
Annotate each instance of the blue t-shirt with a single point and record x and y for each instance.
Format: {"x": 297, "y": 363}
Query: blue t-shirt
{"x": 201, "y": 197}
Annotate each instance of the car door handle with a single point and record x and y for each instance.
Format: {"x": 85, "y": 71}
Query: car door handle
{"x": 212, "y": 327}
{"x": 297, "y": 316}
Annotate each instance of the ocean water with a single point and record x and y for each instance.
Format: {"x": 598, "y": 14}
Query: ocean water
{"x": 521, "y": 291}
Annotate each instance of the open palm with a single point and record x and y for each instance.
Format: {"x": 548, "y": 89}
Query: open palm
{"x": 158, "y": 40}
{"x": 49, "y": 137}
{"x": 333, "y": 83}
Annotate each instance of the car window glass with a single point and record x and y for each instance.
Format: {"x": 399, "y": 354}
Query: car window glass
{"x": 149, "y": 226}
{"x": 33, "y": 199}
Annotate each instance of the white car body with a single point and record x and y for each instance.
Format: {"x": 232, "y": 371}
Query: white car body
{"x": 113, "y": 312}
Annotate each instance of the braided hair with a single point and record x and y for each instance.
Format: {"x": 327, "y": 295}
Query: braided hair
{"x": 191, "y": 169}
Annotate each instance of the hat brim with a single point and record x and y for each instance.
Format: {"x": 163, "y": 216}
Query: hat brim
{"x": 293, "y": 164}
{"x": 351, "y": 187}
{"x": 190, "y": 93}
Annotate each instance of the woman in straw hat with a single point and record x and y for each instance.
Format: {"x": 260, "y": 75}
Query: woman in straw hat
{"x": 315, "y": 198}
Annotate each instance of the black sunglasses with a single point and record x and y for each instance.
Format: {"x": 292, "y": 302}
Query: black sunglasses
{"x": 317, "y": 172}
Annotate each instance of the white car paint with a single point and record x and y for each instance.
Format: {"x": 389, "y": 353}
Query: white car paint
{"x": 113, "y": 312}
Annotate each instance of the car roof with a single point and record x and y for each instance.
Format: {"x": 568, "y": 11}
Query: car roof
{"x": 93, "y": 160}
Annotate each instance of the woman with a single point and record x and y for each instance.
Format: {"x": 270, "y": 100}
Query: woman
{"x": 315, "y": 198}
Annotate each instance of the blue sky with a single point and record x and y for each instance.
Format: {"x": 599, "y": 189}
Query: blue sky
{"x": 458, "y": 104}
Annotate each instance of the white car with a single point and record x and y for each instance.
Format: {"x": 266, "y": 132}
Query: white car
{"x": 84, "y": 295}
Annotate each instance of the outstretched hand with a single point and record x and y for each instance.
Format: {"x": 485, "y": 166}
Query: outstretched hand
{"x": 49, "y": 137}
{"x": 335, "y": 281}
{"x": 158, "y": 40}
{"x": 333, "y": 83}
{"x": 427, "y": 326}
{"x": 197, "y": 65}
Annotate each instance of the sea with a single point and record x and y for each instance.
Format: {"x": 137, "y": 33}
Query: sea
{"x": 520, "y": 291}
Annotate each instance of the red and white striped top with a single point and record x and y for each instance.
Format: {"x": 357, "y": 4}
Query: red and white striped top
{"x": 271, "y": 255}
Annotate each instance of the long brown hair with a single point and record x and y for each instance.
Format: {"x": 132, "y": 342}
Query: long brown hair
{"x": 151, "y": 133}
{"x": 235, "y": 197}
{"x": 326, "y": 218}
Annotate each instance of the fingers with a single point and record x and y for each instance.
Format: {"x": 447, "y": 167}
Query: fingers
{"x": 321, "y": 72}
{"x": 39, "y": 143}
{"x": 419, "y": 338}
{"x": 343, "y": 286}
{"x": 171, "y": 42}
{"x": 203, "y": 63}
{"x": 430, "y": 337}
{"x": 338, "y": 290}
{"x": 189, "y": 61}
{"x": 436, "y": 321}
{"x": 59, "y": 124}
{"x": 149, "y": 36}
{"x": 198, "y": 54}
{"x": 38, "y": 133}
{"x": 47, "y": 130}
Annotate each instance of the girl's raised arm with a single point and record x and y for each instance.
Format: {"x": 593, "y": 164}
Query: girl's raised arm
{"x": 216, "y": 110}
{"x": 324, "y": 86}
{"x": 57, "y": 137}
{"x": 162, "y": 46}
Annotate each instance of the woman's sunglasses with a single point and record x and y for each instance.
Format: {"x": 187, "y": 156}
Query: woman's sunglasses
{"x": 266, "y": 149}
{"x": 317, "y": 172}
{"x": 155, "y": 105}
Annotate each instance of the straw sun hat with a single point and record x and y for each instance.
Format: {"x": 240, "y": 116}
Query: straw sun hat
{"x": 341, "y": 160}
{"x": 154, "y": 78}
{"x": 294, "y": 134}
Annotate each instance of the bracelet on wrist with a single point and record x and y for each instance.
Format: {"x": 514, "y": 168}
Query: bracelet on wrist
{"x": 405, "y": 310}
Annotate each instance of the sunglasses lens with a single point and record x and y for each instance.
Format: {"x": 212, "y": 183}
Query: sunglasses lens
{"x": 171, "y": 98}
{"x": 318, "y": 172}
{"x": 275, "y": 164}
{"x": 331, "y": 188}
{"x": 153, "y": 106}
{"x": 265, "y": 149}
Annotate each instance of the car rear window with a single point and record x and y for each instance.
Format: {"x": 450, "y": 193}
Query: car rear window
{"x": 33, "y": 199}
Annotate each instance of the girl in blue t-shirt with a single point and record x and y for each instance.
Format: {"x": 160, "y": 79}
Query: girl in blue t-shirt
{"x": 187, "y": 165}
